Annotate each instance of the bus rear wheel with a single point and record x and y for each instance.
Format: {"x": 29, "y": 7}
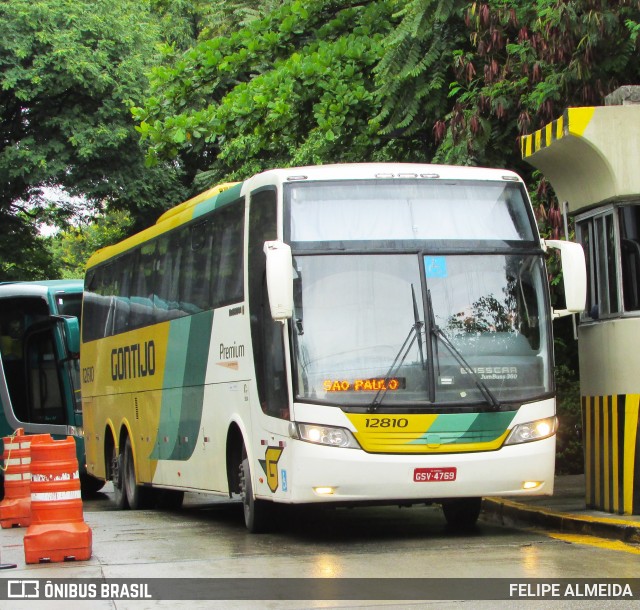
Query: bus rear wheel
{"x": 137, "y": 496}
{"x": 256, "y": 512}
{"x": 117, "y": 473}
{"x": 462, "y": 513}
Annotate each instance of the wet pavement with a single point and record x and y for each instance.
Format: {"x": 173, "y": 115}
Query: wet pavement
{"x": 566, "y": 511}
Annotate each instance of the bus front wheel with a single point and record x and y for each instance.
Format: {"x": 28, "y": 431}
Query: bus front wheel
{"x": 256, "y": 515}
{"x": 462, "y": 513}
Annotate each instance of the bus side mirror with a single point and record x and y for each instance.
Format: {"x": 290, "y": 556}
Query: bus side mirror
{"x": 71, "y": 332}
{"x": 279, "y": 279}
{"x": 574, "y": 275}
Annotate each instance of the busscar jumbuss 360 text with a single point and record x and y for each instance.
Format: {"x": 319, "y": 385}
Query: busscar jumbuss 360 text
{"x": 374, "y": 333}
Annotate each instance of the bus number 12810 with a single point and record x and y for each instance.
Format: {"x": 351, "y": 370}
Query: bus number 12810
{"x": 386, "y": 422}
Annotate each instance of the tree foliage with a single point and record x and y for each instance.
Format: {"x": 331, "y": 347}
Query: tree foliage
{"x": 69, "y": 71}
{"x": 23, "y": 253}
{"x": 72, "y": 247}
{"x": 526, "y": 62}
{"x": 295, "y": 87}
{"x": 184, "y": 22}
{"x": 326, "y": 81}
{"x": 414, "y": 73}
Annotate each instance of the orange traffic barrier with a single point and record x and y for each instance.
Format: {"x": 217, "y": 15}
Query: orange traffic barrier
{"x": 15, "y": 508}
{"x": 57, "y": 531}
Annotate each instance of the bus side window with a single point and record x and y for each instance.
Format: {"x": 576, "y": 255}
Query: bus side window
{"x": 121, "y": 291}
{"x": 276, "y": 401}
{"x": 228, "y": 240}
{"x": 142, "y": 287}
{"x": 195, "y": 268}
{"x": 94, "y": 313}
{"x": 99, "y": 317}
{"x": 266, "y": 335}
{"x": 167, "y": 304}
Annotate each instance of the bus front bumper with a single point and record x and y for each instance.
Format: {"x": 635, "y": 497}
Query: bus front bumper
{"x": 313, "y": 474}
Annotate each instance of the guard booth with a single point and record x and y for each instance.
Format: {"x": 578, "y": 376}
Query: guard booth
{"x": 591, "y": 157}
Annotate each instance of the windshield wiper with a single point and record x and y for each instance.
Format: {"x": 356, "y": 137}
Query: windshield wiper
{"x": 487, "y": 394}
{"x": 415, "y": 334}
{"x": 417, "y": 326}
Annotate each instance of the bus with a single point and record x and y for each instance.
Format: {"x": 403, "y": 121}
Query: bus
{"x": 341, "y": 334}
{"x": 39, "y": 362}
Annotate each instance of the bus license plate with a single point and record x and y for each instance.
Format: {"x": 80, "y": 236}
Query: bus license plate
{"x": 434, "y": 475}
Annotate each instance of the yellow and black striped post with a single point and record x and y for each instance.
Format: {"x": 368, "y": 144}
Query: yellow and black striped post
{"x": 612, "y": 452}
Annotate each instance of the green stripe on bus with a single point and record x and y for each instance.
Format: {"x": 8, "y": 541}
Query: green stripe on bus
{"x": 218, "y": 201}
{"x": 182, "y": 397}
{"x": 455, "y": 428}
{"x": 197, "y": 358}
{"x": 172, "y": 394}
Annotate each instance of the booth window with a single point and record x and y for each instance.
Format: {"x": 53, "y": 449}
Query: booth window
{"x": 611, "y": 241}
{"x": 629, "y": 217}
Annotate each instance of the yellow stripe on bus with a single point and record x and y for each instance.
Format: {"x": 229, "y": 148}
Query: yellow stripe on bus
{"x": 171, "y": 219}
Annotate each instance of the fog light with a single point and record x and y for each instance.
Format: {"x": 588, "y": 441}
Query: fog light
{"x": 531, "y": 484}
{"x": 324, "y": 491}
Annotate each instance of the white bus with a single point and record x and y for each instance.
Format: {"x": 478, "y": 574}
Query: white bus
{"x": 366, "y": 333}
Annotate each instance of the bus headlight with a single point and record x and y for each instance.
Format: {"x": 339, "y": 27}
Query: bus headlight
{"x": 323, "y": 435}
{"x": 533, "y": 431}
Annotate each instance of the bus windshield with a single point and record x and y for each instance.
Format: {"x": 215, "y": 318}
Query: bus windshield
{"x": 69, "y": 304}
{"x": 409, "y": 210}
{"x": 394, "y": 329}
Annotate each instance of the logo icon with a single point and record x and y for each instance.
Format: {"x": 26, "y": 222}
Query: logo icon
{"x": 23, "y": 589}
{"x": 270, "y": 466}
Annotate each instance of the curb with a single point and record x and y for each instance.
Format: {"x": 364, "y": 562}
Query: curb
{"x": 508, "y": 512}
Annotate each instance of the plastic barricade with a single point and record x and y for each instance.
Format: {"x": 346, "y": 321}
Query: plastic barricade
{"x": 57, "y": 531}
{"x": 15, "y": 508}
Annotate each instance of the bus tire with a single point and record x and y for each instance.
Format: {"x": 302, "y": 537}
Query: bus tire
{"x": 137, "y": 496}
{"x": 117, "y": 474}
{"x": 256, "y": 512}
{"x": 462, "y": 513}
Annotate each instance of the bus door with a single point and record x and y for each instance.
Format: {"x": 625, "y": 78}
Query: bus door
{"x": 43, "y": 374}
{"x": 39, "y": 375}
{"x": 39, "y": 381}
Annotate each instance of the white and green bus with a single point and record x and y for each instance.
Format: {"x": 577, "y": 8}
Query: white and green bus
{"x": 366, "y": 333}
